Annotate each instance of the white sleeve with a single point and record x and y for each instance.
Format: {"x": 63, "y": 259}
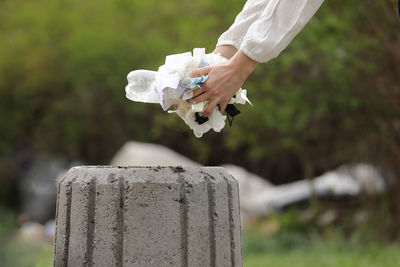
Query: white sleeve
{"x": 251, "y": 11}
{"x": 276, "y": 27}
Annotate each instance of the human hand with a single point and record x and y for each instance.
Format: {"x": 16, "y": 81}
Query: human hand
{"x": 224, "y": 80}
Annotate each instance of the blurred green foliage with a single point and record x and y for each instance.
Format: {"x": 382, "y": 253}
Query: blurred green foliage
{"x": 331, "y": 97}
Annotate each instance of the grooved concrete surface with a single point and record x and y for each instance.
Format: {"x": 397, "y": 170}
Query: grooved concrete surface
{"x": 148, "y": 216}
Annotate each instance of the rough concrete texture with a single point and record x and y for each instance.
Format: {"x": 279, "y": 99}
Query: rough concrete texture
{"x": 148, "y": 216}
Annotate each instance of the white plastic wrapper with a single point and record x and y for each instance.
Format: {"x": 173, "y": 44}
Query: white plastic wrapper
{"x": 169, "y": 86}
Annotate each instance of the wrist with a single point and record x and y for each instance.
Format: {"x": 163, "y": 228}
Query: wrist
{"x": 244, "y": 64}
{"x": 227, "y": 51}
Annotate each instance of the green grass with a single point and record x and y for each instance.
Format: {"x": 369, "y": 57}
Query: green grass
{"x": 283, "y": 253}
{"x": 384, "y": 256}
{"x": 19, "y": 251}
{"x": 24, "y": 253}
{"x": 323, "y": 254}
{"x": 279, "y": 241}
{"x": 284, "y": 241}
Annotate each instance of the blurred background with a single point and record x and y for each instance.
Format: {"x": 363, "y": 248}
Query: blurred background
{"x": 317, "y": 156}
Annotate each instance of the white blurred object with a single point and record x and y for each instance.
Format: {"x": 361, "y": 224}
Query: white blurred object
{"x": 347, "y": 180}
{"x": 32, "y": 232}
{"x": 258, "y": 197}
{"x": 50, "y": 230}
{"x": 145, "y": 154}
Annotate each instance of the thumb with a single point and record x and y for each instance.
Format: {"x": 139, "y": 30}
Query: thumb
{"x": 201, "y": 71}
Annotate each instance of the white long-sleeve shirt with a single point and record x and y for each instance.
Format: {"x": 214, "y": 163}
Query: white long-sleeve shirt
{"x": 265, "y": 27}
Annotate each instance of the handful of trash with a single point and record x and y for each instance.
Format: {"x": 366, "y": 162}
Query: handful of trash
{"x": 172, "y": 85}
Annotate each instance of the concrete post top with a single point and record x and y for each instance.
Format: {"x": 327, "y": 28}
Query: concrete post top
{"x": 147, "y": 216}
{"x": 155, "y": 174}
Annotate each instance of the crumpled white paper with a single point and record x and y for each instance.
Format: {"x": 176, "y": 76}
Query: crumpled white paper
{"x": 167, "y": 87}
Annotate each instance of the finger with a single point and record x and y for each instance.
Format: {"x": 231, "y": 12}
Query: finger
{"x": 207, "y": 112}
{"x": 197, "y": 92}
{"x": 201, "y": 71}
{"x": 222, "y": 107}
{"x": 200, "y": 98}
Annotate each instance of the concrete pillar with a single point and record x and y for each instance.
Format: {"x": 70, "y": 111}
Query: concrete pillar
{"x": 148, "y": 216}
